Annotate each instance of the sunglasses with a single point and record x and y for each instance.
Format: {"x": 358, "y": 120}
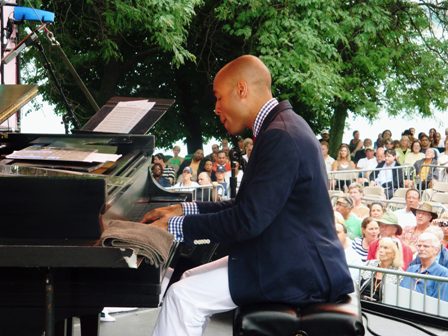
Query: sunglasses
{"x": 443, "y": 223}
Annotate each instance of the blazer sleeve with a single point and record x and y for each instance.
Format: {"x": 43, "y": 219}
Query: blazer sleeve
{"x": 265, "y": 193}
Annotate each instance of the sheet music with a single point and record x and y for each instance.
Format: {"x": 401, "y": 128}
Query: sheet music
{"x": 56, "y": 154}
{"x": 124, "y": 116}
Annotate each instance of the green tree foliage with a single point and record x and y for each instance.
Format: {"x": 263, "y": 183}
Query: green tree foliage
{"x": 328, "y": 57}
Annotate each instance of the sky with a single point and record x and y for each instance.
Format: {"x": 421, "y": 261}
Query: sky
{"x": 45, "y": 121}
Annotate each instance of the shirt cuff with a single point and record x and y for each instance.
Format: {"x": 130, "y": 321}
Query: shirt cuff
{"x": 189, "y": 208}
{"x": 175, "y": 225}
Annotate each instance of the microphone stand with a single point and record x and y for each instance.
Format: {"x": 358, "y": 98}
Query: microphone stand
{"x": 70, "y": 115}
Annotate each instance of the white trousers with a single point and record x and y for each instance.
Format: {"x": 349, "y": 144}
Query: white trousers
{"x": 188, "y": 304}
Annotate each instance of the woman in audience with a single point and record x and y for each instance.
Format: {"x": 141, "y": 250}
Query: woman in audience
{"x": 376, "y": 210}
{"x": 425, "y": 170}
{"x": 415, "y": 153}
{"x": 343, "y": 162}
{"x": 370, "y": 231}
{"x": 388, "y": 256}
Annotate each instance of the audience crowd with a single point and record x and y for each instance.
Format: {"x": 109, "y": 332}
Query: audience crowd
{"x": 412, "y": 237}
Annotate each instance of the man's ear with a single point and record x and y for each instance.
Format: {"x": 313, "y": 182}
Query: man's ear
{"x": 242, "y": 88}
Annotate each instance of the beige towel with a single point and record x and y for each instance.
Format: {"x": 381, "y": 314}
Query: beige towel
{"x": 146, "y": 240}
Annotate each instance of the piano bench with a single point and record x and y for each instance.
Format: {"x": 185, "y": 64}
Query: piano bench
{"x": 342, "y": 319}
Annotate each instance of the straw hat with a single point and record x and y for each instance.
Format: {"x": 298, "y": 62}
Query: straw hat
{"x": 426, "y": 207}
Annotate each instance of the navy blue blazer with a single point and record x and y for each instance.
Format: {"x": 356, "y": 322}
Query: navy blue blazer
{"x": 281, "y": 222}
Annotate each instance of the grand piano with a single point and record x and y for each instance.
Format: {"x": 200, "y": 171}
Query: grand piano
{"x": 51, "y": 264}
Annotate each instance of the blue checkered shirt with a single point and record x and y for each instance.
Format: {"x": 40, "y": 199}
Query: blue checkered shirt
{"x": 261, "y": 116}
{"x": 175, "y": 223}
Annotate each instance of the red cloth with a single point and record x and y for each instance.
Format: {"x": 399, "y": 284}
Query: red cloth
{"x": 407, "y": 252}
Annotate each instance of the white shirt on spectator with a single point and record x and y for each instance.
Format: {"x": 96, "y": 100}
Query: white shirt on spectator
{"x": 405, "y": 218}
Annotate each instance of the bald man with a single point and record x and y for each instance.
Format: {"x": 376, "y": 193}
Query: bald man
{"x": 280, "y": 225}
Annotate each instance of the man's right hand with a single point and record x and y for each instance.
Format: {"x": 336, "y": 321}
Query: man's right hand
{"x": 165, "y": 212}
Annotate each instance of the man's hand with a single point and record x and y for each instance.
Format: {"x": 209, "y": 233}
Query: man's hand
{"x": 160, "y": 216}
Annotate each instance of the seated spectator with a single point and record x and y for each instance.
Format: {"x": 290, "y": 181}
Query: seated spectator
{"x": 423, "y": 170}
{"x": 388, "y": 256}
{"x": 156, "y": 171}
{"x": 389, "y": 227}
{"x": 344, "y": 205}
{"x": 342, "y": 163}
{"x": 376, "y": 210}
{"x": 222, "y": 161}
{"x": 370, "y": 231}
{"x": 406, "y": 216}
{"x": 361, "y": 154}
{"x": 367, "y": 164}
{"x": 428, "y": 246}
{"x": 196, "y": 163}
{"x": 355, "y": 191}
{"x": 204, "y": 193}
{"x": 168, "y": 172}
{"x": 390, "y": 177}
{"x": 415, "y": 153}
{"x": 355, "y": 144}
{"x": 442, "y": 257}
{"x": 327, "y": 158}
{"x": 176, "y": 160}
{"x": 351, "y": 256}
{"x": 185, "y": 182}
{"x": 424, "y": 214}
{"x": 207, "y": 167}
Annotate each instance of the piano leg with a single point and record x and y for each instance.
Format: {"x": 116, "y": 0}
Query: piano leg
{"x": 90, "y": 324}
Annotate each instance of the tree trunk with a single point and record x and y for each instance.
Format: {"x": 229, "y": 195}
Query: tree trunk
{"x": 190, "y": 117}
{"x": 337, "y": 126}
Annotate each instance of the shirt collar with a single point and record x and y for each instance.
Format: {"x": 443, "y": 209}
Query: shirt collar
{"x": 262, "y": 114}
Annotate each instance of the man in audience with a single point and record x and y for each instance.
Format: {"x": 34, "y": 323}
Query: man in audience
{"x": 355, "y": 191}
{"x": 389, "y": 227}
{"x": 168, "y": 172}
{"x": 344, "y": 205}
{"x": 390, "y": 178}
{"x": 222, "y": 161}
{"x": 214, "y": 153}
{"x": 360, "y": 154}
{"x": 405, "y": 216}
{"x": 380, "y": 155}
{"x": 196, "y": 164}
{"x": 424, "y": 215}
{"x": 367, "y": 164}
{"x": 428, "y": 247}
{"x": 442, "y": 257}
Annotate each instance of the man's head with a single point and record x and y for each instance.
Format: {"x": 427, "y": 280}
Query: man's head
{"x": 220, "y": 172}
{"x": 222, "y": 158}
{"x": 324, "y": 148}
{"x": 412, "y": 198}
{"x": 380, "y": 154}
{"x": 390, "y": 156}
{"x": 241, "y": 88}
{"x": 424, "y": 141}
{"x": 424, "y": 214}
{"x": 356, "y": 135}
{"x": 215, "y": 148}
{"x": 367, "y": 143}
{"x": 325, "y": 135}
{"x": 370, "y": 153}
{"x": 198, "y": 155}
{"x": 428, "y": 246}
{"x": 204, "y": 179}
